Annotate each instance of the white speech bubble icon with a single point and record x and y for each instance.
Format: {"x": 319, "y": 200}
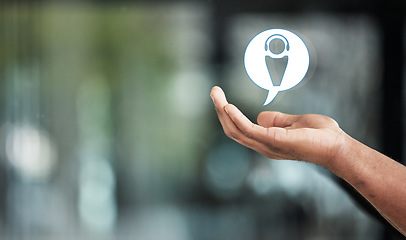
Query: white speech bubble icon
{"x": 259, "y": 48}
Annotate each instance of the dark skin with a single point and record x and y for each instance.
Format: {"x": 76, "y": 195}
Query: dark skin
{"x": 319, "y": 139}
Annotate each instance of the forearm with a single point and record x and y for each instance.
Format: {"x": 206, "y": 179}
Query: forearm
{"x": 381, "y": 180}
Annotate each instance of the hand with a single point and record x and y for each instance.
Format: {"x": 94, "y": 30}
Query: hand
{"x": 311, "y": 137}
{"x": 319, "y": 139}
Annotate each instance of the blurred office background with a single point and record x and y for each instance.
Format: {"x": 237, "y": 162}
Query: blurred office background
{"x": 107, "y": 130}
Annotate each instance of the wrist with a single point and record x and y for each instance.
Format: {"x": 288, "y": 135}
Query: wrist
{"x": 349, "y": 161}
{"x": 343, "y": 151}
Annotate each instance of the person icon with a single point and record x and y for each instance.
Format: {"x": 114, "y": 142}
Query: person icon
{"x": 294, "y": 51}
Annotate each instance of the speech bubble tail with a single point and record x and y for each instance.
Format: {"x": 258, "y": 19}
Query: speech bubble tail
{"x": 271, "y": 96}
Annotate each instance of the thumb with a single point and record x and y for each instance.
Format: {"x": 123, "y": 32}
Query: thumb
{"x": 276, "y": 119}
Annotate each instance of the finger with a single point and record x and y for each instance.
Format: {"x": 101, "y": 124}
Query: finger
{"x": 275, "y": 138}
{"x": 249, "y": 129}
{"x": 228, "y": 125}
{"x": 219, "y": 98}
{"x": 276, "y": 119}
{"x": 242, "y": 130}
{"x": 270, "y": 142}
{"x": 220, "y": 101}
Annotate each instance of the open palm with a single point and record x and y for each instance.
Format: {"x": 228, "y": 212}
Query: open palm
{"x": 311, "y": 137}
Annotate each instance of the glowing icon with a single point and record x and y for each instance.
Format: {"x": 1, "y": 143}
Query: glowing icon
{"x": 264, "y": 47}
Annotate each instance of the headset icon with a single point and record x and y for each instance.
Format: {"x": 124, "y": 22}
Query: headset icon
{"x": 276, "y": 55}
{"x": 294, "y": 51}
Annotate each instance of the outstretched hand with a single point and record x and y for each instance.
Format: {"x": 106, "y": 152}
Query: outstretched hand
{"x": 311, "y": 137}
{"x": 318, "y": 139}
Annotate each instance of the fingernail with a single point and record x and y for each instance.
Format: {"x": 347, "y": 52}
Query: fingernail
{"x": 225, "y": 109}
